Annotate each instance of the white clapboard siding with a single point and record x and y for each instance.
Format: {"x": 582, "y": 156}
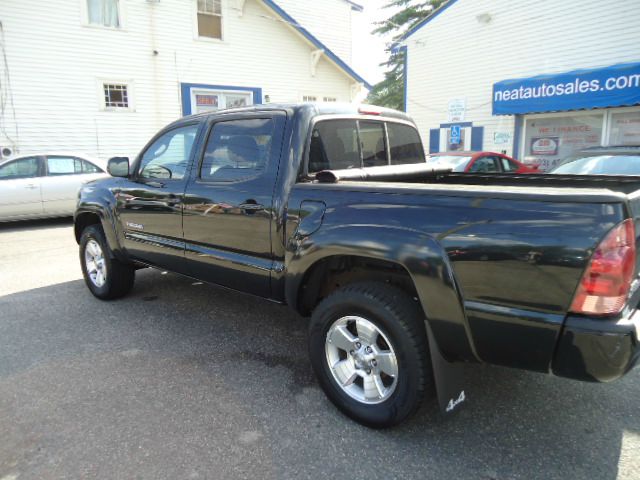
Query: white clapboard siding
{"x": 456, "y": 55}
{"x": 327, "y": 20}
{"x": 56, "y": 65}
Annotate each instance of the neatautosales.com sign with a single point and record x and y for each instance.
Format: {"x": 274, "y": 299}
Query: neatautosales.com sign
{"x": 614, "y": 86}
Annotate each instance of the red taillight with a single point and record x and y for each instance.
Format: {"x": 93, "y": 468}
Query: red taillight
{"x": 605, "y": 284}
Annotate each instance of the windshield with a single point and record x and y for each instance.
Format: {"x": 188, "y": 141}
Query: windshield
{"x": 601, "y": 165}
{"x": 457, "y": 163}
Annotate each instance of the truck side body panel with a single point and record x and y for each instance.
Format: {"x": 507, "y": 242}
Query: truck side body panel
{"x": 516, "y": 263}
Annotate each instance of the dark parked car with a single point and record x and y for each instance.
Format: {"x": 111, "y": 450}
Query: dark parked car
{"x": 478, "y": 162}
{"x": 602, "y": 161}
{"x": 406, "y": 272}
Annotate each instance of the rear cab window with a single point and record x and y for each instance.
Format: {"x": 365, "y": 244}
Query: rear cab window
{"x": 339, "y": 144}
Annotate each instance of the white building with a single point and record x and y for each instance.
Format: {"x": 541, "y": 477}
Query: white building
{"x": 538, "y": 79}
{"x": 102, "y": 76}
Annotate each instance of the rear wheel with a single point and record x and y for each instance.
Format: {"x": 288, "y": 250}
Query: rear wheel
{"x": 106, "y": 277}
{"x": 369, "y": 350}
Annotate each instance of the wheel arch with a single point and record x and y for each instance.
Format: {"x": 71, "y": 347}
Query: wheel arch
{"x": 412, "y": 260}
{"x": 87, "y": 217}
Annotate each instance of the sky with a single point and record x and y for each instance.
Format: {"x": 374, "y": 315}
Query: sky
{"x": 368, "y": 49}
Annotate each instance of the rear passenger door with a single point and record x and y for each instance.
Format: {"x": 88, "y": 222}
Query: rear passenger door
{"x": 228, "y": 209}
{"x": 20, "y": 188}
{"x": 64, "y": 176}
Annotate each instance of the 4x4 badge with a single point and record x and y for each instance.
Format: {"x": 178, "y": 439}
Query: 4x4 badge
{"x": 454, "y": 403}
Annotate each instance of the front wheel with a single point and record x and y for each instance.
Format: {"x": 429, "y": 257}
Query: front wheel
{"x": 369, "y": 350}
{"x": 106, "y": 277}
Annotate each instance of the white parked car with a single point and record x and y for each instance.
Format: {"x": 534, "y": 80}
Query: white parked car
{"x": 44, "y": 185}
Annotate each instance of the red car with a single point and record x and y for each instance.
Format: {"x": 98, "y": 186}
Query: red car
{"x": 479, "y": 162}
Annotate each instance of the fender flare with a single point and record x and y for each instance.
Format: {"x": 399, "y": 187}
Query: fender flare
{"x": 109, "y": 226}
{"x": 418, "y": 253}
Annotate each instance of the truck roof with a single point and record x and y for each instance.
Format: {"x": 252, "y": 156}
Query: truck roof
{"x": 313, "y": 109}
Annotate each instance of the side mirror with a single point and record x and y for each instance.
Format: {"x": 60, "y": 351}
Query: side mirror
{"x": 118, "y": 166}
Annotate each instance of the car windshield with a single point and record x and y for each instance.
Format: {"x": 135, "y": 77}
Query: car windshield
{"x": 601, "y": 165}
{"x": 457, "y": 163}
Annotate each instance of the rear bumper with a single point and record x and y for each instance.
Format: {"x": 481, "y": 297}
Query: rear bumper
{"x": 598, "y": 350}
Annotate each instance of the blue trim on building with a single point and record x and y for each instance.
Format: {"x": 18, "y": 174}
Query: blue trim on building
{"x": 477, "y": 138}
{"x": 355, "y": 6}
{"x": 460, "y": 124}
{"x": 516, "y": 137}
{"x": 185, "y": 93}
{"x": 428, "y": 19}
{"x": 318, "y": 44}
{"x": 434, "y": 140}
{"x": 405, "y": 74}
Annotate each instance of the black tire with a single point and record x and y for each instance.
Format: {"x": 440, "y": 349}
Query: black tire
{"x": 400, "y": 319}
{"x": 119, "y": 276}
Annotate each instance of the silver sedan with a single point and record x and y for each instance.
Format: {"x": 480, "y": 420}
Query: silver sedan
{"x": 44, "y": 185}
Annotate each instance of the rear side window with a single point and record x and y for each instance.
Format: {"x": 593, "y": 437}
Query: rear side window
{"x": 88, "y": 167}
{"x": 485, "y": 165}
{"x": 508, "y": 165}
{"x": 405, "y": 144}
{"x": 63, "y": 165}
{"x": 237, "y": 150}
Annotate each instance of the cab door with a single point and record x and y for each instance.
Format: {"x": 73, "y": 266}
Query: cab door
{"x": 150, "y": 202}
{"x": 20, "y": 188}
{"x": 228, "y": 213}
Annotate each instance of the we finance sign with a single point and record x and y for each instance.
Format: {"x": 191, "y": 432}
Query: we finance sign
{"x": 615, "y": 86}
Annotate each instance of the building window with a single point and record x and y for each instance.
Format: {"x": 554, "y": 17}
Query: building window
{"x": 309, "y": 98}
{"x": 329, "y": 99}
{"x": 103, "y": 12}
{"x": 625, "y": 128}
{"x": 549, "y": 139}
{"x": 209, "y": 19}
{"x": 116, "y": 95}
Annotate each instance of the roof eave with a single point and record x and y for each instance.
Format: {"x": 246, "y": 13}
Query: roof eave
{"x": 317, "y": 43}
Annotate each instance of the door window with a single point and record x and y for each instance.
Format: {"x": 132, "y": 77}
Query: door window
{"x": 485, "y": 165}
{"x": 405, "y": 144}
{"x": 237, "y": 149}
{"x": 23, "y": 168}
{"x": 372, "y": 142}
{"x": 508, "y": 165}
{"x": 168, "y": 157}
{"x": 63, "y": 165}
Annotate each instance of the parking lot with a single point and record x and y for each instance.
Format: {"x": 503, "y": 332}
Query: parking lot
{"x": 186, "y": 380}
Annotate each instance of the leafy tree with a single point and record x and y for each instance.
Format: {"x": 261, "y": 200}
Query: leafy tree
{"x": 390, "y": 91}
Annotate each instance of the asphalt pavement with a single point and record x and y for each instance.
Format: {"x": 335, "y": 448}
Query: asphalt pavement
{"x": 184, "y": 380}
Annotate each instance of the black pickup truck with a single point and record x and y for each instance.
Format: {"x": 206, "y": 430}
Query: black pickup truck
{"x": 406, "y": 272}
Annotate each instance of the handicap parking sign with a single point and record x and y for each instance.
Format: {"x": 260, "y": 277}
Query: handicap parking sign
{"x": 454, "y": 135}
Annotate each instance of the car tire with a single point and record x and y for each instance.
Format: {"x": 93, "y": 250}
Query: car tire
{"x": 106, "y": 277}
{"x": 387, "y": 323}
